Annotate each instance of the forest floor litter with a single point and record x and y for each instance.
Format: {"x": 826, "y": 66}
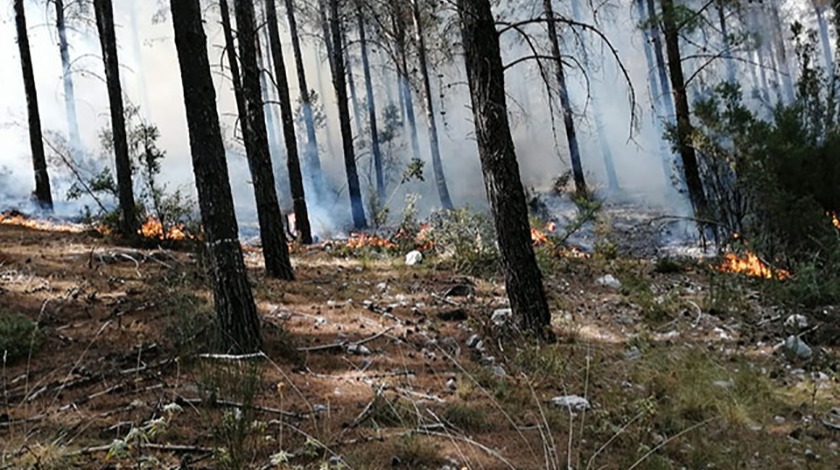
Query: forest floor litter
{"x": 375, "y": 359}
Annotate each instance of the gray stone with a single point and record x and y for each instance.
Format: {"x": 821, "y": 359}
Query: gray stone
{"x": 797, "y": 321}
{"x": 499, "y": 371}
{"x": 608, "y": 281}
{"x": 473, "y": 340}
{"x": 633, "y": 354}
{"x": 796, "y": 346}
{"x": 572, "y": 402}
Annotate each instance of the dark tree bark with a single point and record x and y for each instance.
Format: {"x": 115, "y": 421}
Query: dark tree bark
{"x": 288, "y": 118}
{"x": 311, "y": 159}
{"x": 523, "y": 280}
{"x": 371, "y": 107}
{"x": 565, "y": 103}
{"x": 272, "y": 235}
{"x": 434, "y": 142}
{"x": 683, "y": 117}
{"x": 232, "y": 294}
{"x": 340, "y": 85}
{"x": 107, "y": 39}
{"x": 67, "y": 79}
{"x": 43, "y": 195}
{"x": 233, "y": 64}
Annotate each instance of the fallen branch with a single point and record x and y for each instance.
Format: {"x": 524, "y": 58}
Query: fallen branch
{"x": 143, "y": 445}
{"x": 345, "y": 344}
{"x": 233, "y": 404}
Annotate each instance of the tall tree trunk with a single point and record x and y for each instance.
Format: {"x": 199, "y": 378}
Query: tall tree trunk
{"x": 340, "y": 85}
{"x": 351, "y": 83}
{"x": 683, "y": 118}
{"x": 523, "y": 280}
{"x": 761, "y": 62}
{"x": 107, "y": 39}
{"x": 311, "y": 159}
{"x": 781, "y": 53}
{"x": 731, "y": 76}
{"x": 234, "y": 301}
{"x": 233, "y": 64}
{"x": 371, "y": 108}
{"x": 565, "y": 103}
{"x": 264, "y": 64}
{"x": 43, "y": 195}
{"x": 275, "y": 250}
{"x": 822, "y": 26}
{"x": 406, "y": 97}
{"x": 288, "y": 118}
{"x": 434, "y": 142}
{"x": 661, "y": 67}
{"x": 655, "y": 92}
{"x": 67, "y": 79}
{"x": 598, "y": 113}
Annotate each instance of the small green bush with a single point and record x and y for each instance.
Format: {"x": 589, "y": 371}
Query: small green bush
{"x": 466, "y": 240}
{"x": 18, "y": 334}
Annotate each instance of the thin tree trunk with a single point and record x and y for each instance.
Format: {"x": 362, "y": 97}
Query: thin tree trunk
{"x": 234, "y": 301}
{"x": 67, "y": 79}
{"x": 311, "y": 159}
{"x": 407, "y": 99}
{"x": 565, "y": 102}
{"x": 523, "y": 280}
{"x": 340, "y": 85}
{"x": 275, "y": 250}
{"x": 351, "y": 83}
{"x": 661, "y": 66}
{"x": 233, "y": 64}
{"x": 731, "y": 77}
{"x": 822, "y": 26}
{"x": 265, "y": 64}
{"x": 43, "y": 195}
{"x": 434, "y": 142}
{"x": 107, "y": 39}
{"x": 781, "y": 54}
{"x": 682, "y": 111}
{"x": 761, "y": 62}
{"x": 288, "y": 118}
{"x": 598, "y": 114}
{"x": 667, "y": 155}
{"x": 371, "y": 107}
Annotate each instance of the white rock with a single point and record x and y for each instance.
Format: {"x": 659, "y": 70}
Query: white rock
{"x": 501, "y": 316}
{"x": 452, "y": 384}
{"x": 608, "y": 281}
{"x": 413, "y": 257}
{"x": 797, "y": 321}
{"x": 572, "y": 402}
{"x": 473, "y": 340}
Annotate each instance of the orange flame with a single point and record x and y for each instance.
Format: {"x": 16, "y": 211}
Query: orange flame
{"x": 20, "y": 220}
{"x": 361, "y": 240}
{"x": 152, "y": 228}
{"x": 539, "y": 237}
{"x": 834, "y": 219}
{"x": 752, "y": 266}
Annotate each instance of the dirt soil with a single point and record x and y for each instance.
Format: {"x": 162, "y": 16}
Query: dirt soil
{"x": 372, "y": 364}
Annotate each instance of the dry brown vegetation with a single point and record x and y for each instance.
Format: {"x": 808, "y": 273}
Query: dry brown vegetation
{"x": 678, "y": 365}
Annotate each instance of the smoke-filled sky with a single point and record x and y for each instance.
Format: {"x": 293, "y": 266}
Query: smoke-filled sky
{"x": 150, "y": 78}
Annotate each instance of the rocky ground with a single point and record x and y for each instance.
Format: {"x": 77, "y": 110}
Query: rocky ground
{"x": 372, "y": 363}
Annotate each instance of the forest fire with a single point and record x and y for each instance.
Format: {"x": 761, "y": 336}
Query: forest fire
{"x": 361, "y": 240}
{"x": 834, "y": 219}
{"x": 750, "y": 265}
{"x": 20, "y": 220}
{"x": 540, "y": 237}
{"x": 152, "y": 228}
